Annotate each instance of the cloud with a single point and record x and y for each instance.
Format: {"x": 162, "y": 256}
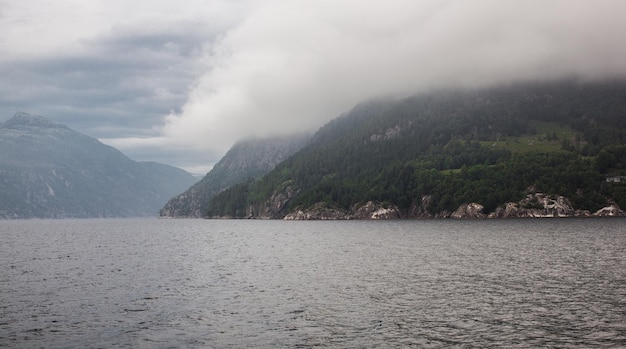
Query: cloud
{"x": 296, "y": 64}
{"x": 159, "y": 149}
{"x": 105, "y": 63}
{"x": 180, "y": 82}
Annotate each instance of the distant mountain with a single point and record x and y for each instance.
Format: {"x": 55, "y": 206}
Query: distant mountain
{"x": 522, "y": 150}
{"x": 47, "y": 170}
{"x": 246, "y": 160}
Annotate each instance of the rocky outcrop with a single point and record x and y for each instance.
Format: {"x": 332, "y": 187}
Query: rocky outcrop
{"x": 390, "y": 133}
{"x": 368, "y": 211}
{"x": 471, "y": 210}
{"x": 319, "y": 211}
{"x": 276, "y": 206}
{"x": 421, "y": 209}
{"x": 510, "y": 209}
{"x": 610, "y": 211}
{"x": 540, "y": 205}
{"x": 375, "y": 211}
{"x": 536, "y": 205}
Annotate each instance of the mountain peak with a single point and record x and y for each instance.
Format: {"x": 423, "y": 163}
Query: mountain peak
{"x": 50, "y": 171}
{"x": 22, "y": 119}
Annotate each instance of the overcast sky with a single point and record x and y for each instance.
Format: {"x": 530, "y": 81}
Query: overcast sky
{"x": 180, "y": 81}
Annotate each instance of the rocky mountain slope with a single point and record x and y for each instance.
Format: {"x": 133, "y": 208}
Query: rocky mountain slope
{"x": 246, "y": 160}
{"x": 48, "y": 170}
{"x": 454, "y": 153}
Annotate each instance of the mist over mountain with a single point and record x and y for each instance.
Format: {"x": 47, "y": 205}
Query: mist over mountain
{"x": 48, "y": 170}
{"x": 557, "y": 147}
{"x": 246, "y": 160}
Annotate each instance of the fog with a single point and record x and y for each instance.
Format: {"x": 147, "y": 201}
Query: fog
{"x": 292, "y": 65}
{"x": 200, "y": 76}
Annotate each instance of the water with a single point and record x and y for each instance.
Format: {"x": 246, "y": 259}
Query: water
{"x": 232, "y": 284}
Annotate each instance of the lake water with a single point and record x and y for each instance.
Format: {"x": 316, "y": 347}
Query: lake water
{"x": 277, "y": 284}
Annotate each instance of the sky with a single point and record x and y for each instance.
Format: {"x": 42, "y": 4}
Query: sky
{"x": 179, "y": 82}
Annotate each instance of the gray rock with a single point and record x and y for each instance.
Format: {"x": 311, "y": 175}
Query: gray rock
{"x": 610, "y": 211}
{"x": 471, "y": 210}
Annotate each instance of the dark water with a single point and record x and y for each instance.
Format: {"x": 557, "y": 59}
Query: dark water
{"x": 234, "y": 284}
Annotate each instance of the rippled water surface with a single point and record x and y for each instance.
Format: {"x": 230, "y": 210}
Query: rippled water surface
{"x": 234, "y": 284}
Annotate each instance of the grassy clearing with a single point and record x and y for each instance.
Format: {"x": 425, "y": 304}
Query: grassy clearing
{"x": 548, "y": 137}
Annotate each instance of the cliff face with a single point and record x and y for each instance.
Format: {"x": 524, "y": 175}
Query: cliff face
{"x": 244, "y": 161}
{"x": 48, "y": 170}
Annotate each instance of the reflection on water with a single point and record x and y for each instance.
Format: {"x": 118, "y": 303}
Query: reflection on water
{"x": 199, "y": 283}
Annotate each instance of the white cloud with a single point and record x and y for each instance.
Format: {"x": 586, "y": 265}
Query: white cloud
{"x": 42, "y": 27}
{"x": 184, "y": 80}
{"x": 296, "y": 64}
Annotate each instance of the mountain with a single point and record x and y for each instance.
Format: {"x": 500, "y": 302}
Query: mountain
{"x": 499, "y": 151}
{"x": 245, "y": 161}
{"x": 48, "y": 170}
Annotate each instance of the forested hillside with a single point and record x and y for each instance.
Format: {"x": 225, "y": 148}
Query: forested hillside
{"x": 489, "y": 146}
{"x": 246, "y": 160}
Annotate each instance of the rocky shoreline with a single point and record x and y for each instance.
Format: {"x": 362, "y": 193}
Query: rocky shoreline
{"x": 535, "y": 205}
